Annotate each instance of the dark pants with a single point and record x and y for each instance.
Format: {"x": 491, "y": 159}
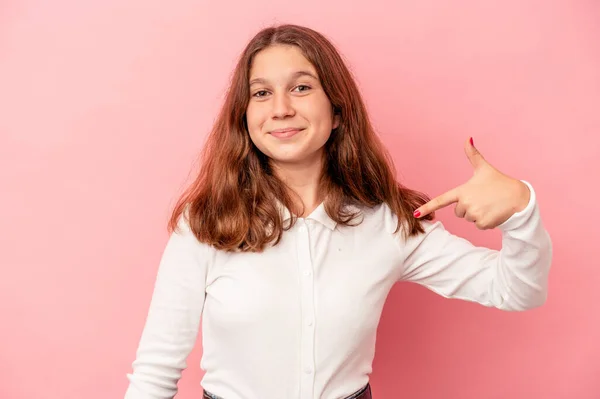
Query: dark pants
{"x": 363, "y": 393}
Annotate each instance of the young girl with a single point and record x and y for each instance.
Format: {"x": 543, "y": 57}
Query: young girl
{"x": 295, "y": 230}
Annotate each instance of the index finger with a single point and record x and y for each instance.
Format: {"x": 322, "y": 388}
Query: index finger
{"x": 441, "y": 201}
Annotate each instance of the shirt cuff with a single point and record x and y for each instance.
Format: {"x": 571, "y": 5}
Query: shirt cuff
{"x": 521, "y": 217}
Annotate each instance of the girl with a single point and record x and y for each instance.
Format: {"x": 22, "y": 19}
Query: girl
{"x": 295, "y": 230}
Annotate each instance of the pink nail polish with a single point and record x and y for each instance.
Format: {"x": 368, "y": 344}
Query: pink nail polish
{"x": 471, "y": 140}
{"x": 417, "y": 213}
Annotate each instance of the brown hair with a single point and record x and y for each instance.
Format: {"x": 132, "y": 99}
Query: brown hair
{"x": 233, "y": 202}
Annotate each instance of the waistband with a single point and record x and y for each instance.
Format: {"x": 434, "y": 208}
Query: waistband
{"x": 363, "y": 393}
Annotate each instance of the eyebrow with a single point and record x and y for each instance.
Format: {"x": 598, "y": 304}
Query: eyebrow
{"x": 294, "y": 76}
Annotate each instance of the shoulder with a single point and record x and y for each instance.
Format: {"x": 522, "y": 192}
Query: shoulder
{"x": 185, "y": 235}
{"x": 380, "y": 217}
{"x": 383, "y": 217}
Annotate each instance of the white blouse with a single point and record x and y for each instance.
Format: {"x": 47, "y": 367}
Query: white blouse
{"x": 299, "y": 320}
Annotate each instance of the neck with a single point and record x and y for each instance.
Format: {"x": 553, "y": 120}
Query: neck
{"x": 303, "y": 179}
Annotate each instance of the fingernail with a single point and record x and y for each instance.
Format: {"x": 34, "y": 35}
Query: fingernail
{"x": 417, "y": 213}
{"x": 471, "y": 140}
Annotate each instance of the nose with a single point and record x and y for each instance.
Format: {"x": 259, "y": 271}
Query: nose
{"x": 282, "y": 106}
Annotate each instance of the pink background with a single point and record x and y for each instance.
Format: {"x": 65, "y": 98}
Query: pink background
{"x": 104, "y": 106}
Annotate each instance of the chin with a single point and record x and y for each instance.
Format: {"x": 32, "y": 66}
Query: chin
{"x": 292, "y": 154}
{"x": 287, "y": 159}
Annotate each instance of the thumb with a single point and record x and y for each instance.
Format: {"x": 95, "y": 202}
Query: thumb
{"x": 473, "y": 154}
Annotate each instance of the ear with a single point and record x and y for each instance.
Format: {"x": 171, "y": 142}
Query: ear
{"x": 336, "y": 121}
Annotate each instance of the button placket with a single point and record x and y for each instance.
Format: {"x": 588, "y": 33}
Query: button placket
{"x": 307, "y": 306}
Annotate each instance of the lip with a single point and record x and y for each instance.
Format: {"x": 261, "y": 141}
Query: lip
{"x": 285, "y": 133}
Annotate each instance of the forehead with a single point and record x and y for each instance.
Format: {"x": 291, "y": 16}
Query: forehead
{"x": 279, "y": 61}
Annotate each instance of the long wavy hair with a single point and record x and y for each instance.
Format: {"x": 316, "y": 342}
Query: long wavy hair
{"x": 234, "y": 203}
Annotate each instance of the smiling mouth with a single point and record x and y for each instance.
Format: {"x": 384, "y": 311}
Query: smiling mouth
{"x": 286, "y": 133}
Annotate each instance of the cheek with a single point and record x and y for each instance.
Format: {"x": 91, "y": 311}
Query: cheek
{"x": 323, "y": 113}
{"x": 251, "y": 118}
{"x": 254, "y": 121}
{"x": 256, "y": 137}
{"x": 256, "y": 115}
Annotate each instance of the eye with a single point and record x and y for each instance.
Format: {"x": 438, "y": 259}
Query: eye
{"x": 260, "y": 93}
{"x": 302, "y": 86}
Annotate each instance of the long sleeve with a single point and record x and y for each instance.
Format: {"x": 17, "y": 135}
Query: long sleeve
{"x": 513, "y": 278}
{"x": 173, "y": 319}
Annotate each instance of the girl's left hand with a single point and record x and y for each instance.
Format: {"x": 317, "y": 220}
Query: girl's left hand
{"x": 488, "y": 199}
